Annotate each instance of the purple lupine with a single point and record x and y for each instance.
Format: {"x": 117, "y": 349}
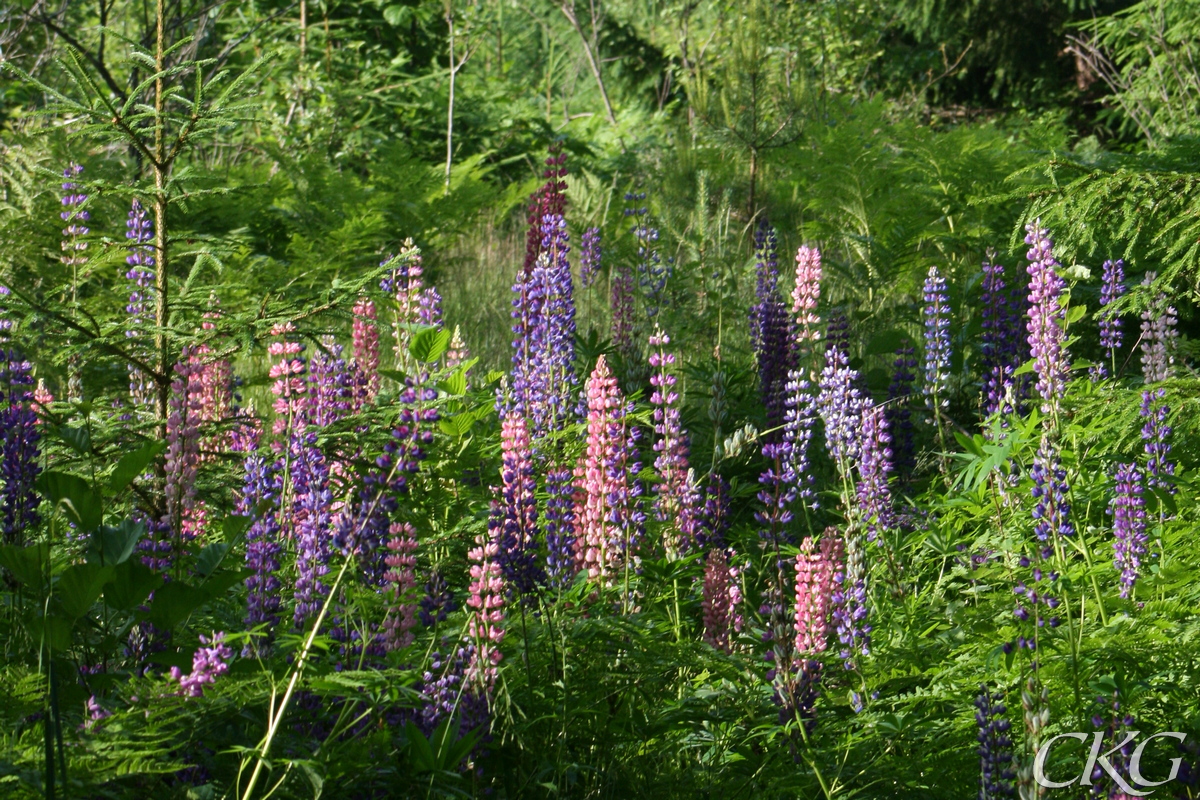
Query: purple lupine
{"x": 140, "y": 233}
{"x": 837, "y": 334}
{"x": 1128, "y": 511}
{"x": 73, "y": 245}
{"x": 1156, "y": 440}
{"x": 777, "y": 495}
{"x": 675, "y": 496}
{"x": 849, "y": 603}
{"x": 210, "y": 661}
{"x": 800, "y": 417}
{"x": 995, "y": 751}
{"x": 770, "y": 330}
{"x": 19, "y": 436}
{"x": 1047, "y": 318}
{"x": 590, "y": 257}
{"x": 560, "y": 526}
{"x": 261, "y": 489}
{"x": 898, "y": 409}
{"x": 515, "y": 512}
{"x": 556, "y": 360}
{"x": 652, "y": 274}
{"x": 1052, "y": 520}
{"x": 1112, "y": 335}
{"x": 1117, "y": 745}
{"x": 1158, "y": 337}
{"x": 713, "y": 520}
{"x": 416, "y": 304}
{"x": 623, "y": 313}
{"x": 438, "y": 601}
{"x": 1000, "y": 343}
{"x": 444, "y": 694}
{"x": 331, "y": 389}
{"x": 874, "y": 467}
{"x": 526, "y": 387}
{"x": 936, "y": 314}
{"x": 840, "y": 405}
{"x": 313, "y": 520}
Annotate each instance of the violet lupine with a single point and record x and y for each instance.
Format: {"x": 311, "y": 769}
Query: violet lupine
{"x": 1112, "y": 335}
{"x": 527, "y": 387}
{"x": 95, "y": 713}
{"x": 516, "y": 512}
{"x": 623, "y": 316}
{"x": 1128, "y": 510}
{"x": 210, "y": 661}
{"x": 675, "y": 496}
{"x": 850, "y": 603}
{"x": 806, "y": 294}
{"x": 590, "y": 257}
{"x": 401, "y": 579}
{"x": 140, "y": 233}
{"x": 1000, "y": 342}
{"x": 554, "y": 370}
{"x": 840, "y": 405}
{"x": 330, "y": 393}
{"x": 1047, "y": 318}
{"x": 874, "y": 469}
{"x": 995, "y": 751}
{"x": 898, "y": 410}
{"x": 261, "y": 489}
{"x": 438, "y": 601}
{"x": 560, "y": 526}
{"x": 445, "y": 695}
{"x": 770, "y": 330}
{"x": 652, "y": 275}
{"x": 416, "y": 304}
{"x": 19, "y": 457}
{"x": 800, "y": 418}
{"x": 608, "y": 511}
{"x": 313, "y": 518}
{"x": 1117, "y": 744}
{"x": 1156, "y": 440}
{"x": 485, "y": 602}
{"x": 713, "y": 513}
{"x": 365, "y": 344}
{"x": 1052, "y": 520}
{"x": 1158, "y": 337}
{"x": 183, "y": 443}
{"x": 721, "y": 596}
{"x": 937, "y": 341}
{"x": 815, "y": 571}
{"x": 837, "y": 333}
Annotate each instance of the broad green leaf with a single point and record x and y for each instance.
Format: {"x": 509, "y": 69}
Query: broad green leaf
{"x": 131, "y": 585}
{"x": 110, "y": 546}
{"x": 80, "y": 586}
{"x": 133, "y": 464}
{"x": 174, "y": 603}
{"x": 455, "y": 384}
{"x": 78, "y": 501}
{"x": 78, "y": 438}
{"x": 429, "y": 345}
{"x": 210, "y": 558}
{"x": 27, "y": 564}
{"x": 234, "y": 526}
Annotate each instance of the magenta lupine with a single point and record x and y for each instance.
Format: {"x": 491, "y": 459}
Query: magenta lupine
{"x": 1156, "y": 440}
{"x": 216, "y": 375}
{"x": 550, "y": 198}
{"x": 590, "y": 257}
{"x": 140, "y": 233}
{"x": 675, "y": 496}
{"x": 770, "y": 331}
{"x": 19, "y": 456}
{"x": 365, "y": 343}
{"x": 1112, "y": 335}
{"x": 608, "y": 513}
{"x": 1158, "y": 337}
{"x": 806, "y": 294}
{"x": 401, "y": 579}
{"x": 1047, "y": 318}
{"x": 874, "y": 469}
{"x": 517, "y": 511}
{"x": 183, "y": 443}
{"x": 1128, "y": 511}
{"x": 485, "y": 602}
{"x": 288, "y": 386}
{"x": 210, "y": 661}
{"x": 720, "y": 597}
{"x": 259, "y": 500}
{"x": 815, "y": 570}
{"x": 937, "y": 341}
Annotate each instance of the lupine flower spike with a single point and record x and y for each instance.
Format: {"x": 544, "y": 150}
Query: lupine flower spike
{"x": 677, "y": 497}
{"x": 1156, "y": 435}
{"x": 1111, "y": 333}
{"x": 770, "y": 330}
{"x": 996, "y": 772}
{"x": 141, "y": 279}
{"x": 1158, "y": 337}
{"x": 1047, "y": 318}
{"x": 1128, "y": 511}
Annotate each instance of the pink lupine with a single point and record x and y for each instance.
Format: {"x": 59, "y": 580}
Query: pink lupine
{"x": 486, "y": 604}
{"x": 677, "y": 497}
{"x": 608, "y": 515}
{"x": 807, "y": 294}
{"x": 365, "y": 339}
{"x": 416, "y": 303}
{"x": 815, "y": 570}
{"x": 215, "y": 376}
{"x": 288, "y": 387}
{"x": 42, "y": 398}
{"x": 402, "y": 579}
{"x": 183, "y": 443}
{"x": 722, "y": 598}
